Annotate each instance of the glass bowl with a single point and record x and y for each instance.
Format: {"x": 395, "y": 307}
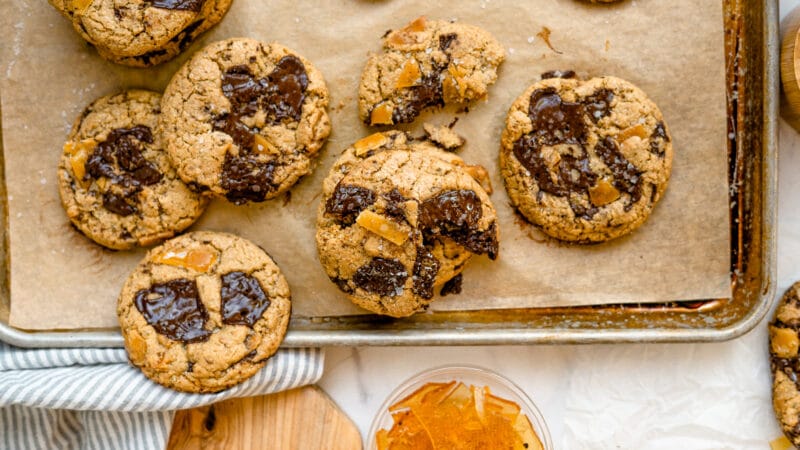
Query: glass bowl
{"x": 478, "y": 376}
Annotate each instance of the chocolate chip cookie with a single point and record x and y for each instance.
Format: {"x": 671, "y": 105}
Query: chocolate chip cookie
{"x": 116, "y": 182}
{"x": 784, "y": 341}
{"x": 203, "y": 311}
{"x": 427, "y": 63}
{"x": 587, "y": 161}
{"x": 244, "y": 119}
{"x": 399, "y": 217}
{"x": 141, "y": 33}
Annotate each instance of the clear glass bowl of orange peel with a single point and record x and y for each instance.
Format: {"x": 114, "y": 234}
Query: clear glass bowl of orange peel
{"x": 458, "y": 407}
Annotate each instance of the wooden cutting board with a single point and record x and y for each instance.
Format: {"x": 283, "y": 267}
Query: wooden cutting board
{"x": 304, "y": 418}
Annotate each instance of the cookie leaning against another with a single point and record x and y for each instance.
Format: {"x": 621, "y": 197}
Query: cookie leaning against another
{"x": 141, "y": 33}
{"x": 586, "y": 161}
{"x": 244, "y": 120}
{"x": 784, "y": 341}
{"x": 399, "y": 217}
{"x": 427, "y": 63}
{"x": 203, "y": 311}
{"x": 116, "y": 182}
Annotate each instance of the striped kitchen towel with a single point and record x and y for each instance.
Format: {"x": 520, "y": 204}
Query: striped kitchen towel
{"x": 93, "y": 399}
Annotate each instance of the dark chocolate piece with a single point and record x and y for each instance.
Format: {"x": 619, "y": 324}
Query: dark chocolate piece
{"x": 452, "y": 286}
{"x": 455, "y": 214}
{"x": 174, "y": 310}
{"x": 348, "y": 201}
{"x": 598, "y": 105}
{"x": 426, "y": 266}
{"x": 119, "y": 159}
{"x": 394, "y": 205}
{"x": 280, "y": 95}
{"x": 382, "y": 276}
{"x": 178, "y": 5}
{"x": 627, "y": 177}
{"x": 243, "y": 299}
{"x": 658, "y": 132}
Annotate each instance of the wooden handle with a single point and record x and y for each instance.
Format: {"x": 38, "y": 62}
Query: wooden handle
{"x": 304, "y": 418}
{"x": 790, "y": 68}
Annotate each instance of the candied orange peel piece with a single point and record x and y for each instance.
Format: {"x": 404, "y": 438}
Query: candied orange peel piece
{"x": 637, "y": 130}
{"x": 78, "y": 154}
{"x": 453, "y": 415}
{"x": 409, "y": 76}
{"x": 371, "y": 142}
{"x": 383, "y": 227}
{"x": 603, "y": 193}
{"x": 406, "y": 34}
{"x": 381, "y": 115}
{"x": 197, "y": 259}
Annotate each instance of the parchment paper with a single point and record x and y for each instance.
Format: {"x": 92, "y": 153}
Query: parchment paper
{"x": 672, "y": 50}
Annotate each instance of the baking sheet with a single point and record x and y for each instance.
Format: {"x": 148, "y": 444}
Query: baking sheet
{"x": 60, "y": 280}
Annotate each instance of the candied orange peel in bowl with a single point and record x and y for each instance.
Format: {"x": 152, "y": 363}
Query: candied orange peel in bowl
{"x": 462, "y": 413}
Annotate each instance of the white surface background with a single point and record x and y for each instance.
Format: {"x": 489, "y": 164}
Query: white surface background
{"x": 689, "y": 396}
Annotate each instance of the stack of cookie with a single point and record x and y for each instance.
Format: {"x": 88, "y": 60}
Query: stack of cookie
{"x": 400, "y": 216}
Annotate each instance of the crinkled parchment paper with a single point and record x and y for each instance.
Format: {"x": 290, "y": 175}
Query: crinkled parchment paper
{"x": 672, "y": 49}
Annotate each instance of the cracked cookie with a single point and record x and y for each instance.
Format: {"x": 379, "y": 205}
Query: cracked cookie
{"x": 784, "y": 341}
{"x": 244, "y": 119}
{"x": 586, "y": 161}
{"x": 141, "y": 33}
{"x": 203, "y": 311}
{"x": 399, "y": 217}
{"x": 427, "y": 63}
{"x": 116, "y": 182}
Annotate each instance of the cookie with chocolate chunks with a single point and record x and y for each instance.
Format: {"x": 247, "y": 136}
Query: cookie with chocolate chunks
{"x": 784, "y": 341}
{"x": 141, "y": 33}
{"x": 204, "y": 311}
{"x": 116, "y": 182}
{"x": 586, "y": 161}
{"x": 244, "y": 120}
{"x": 400, "y": 216}
{"x": 425, "y": 64}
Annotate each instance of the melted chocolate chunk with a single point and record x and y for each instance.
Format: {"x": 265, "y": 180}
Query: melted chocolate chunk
{"x": 178, "y": 5}
{"x": 658, "y": 132}
{"x": 286, "y": 89}
{"x": 174, "y": 310}
{"x": 119, "y": 159}
{"x": 598, "y": 105}
{"x": 558, "y": 122}
{"x": 280, "y": 95}
{"x": 394, "y": 205}
{"x": 445, "y": 40}
{"x": 117, "y": 204}
{"x": 452, "y": 286}
{"x": 382, "y": 276}
{"x": 426, "y": 266}
{"x": 145, "y": 58}
{"x": 478, "y": 242}
{"x": 245, "y": 178}
{"x": 627, "y": 177}
{"x": 558, "y": 74}
{"x": 451, "y": 210}
{"x": 243, "y": 299}
{"x": 348, "y": 201}
{"x": 455, "y": 214}
{"x": 418, "y": 97}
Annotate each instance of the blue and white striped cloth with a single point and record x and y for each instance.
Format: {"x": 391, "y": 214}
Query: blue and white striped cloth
{"x": 86, "y": 399}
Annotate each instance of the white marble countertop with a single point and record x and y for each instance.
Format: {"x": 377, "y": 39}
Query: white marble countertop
{"x": 634, "y": 396}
